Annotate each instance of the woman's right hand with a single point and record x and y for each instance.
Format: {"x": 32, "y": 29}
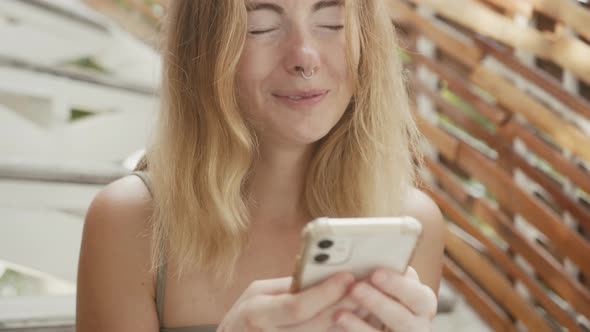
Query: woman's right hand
{"x": 267, "y": 305}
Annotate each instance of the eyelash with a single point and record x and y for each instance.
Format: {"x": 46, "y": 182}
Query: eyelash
{"x": 260, "y": 32}
{"x": 331, "y": 27}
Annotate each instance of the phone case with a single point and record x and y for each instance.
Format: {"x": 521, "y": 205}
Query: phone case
{"x": 357, "y": 245}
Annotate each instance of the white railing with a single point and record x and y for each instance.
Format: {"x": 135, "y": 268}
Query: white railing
{"x": 50, "y": 166}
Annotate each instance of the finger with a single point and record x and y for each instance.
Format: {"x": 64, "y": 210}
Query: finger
{"x": 362, "y": 313}
{"x": 287, "y": 309}
{"x": 387, "y": 310}
{"x": 417, "y": 297}
{"x": 373, "y": 321}
{"x": 268, "y": 287}
{"x": 351, "y": 323}
{"x": 326, "y": 319}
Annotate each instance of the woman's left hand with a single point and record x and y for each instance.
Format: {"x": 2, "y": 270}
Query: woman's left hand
{"x": 401, "y": 302}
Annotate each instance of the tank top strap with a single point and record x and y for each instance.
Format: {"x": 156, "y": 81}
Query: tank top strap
{"x": 146, "y": 180}
{"x": 162, "y": 266}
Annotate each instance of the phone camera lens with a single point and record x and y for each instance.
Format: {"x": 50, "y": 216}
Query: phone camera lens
{"x": 325, "y": 244}
{"x": 321, "y": 258}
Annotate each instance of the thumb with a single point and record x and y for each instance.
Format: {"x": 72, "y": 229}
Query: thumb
{"x": 268, "y": 287}
{"x": 278, "y": 286}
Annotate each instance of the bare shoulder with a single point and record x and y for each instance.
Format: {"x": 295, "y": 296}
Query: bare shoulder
{"x": 115, "y": 284}
{"x": 427, "y": 260}
{"x": 420, "y": 206}
{"x": 127, "y": 196}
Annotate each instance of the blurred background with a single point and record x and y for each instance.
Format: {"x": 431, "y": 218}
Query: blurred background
{"x": 501, "y": 88}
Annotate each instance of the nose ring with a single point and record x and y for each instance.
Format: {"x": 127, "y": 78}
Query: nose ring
{"x": 306, "y": 77}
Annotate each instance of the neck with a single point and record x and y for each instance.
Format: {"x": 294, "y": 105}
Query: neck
{"x": 277, "y": 186}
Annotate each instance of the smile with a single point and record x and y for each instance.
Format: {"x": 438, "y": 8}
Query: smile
{"x": 301, "y": 98}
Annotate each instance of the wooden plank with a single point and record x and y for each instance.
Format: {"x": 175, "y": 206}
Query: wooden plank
{"x": 579, "y": 177}
{"x": 467, "y": 54}
{"x": 546, "y": 267}
{"x": 447, "y": 181}
{"x": 513, "y": 7}
{"x": 457, "y": 116}
{"x": 570, "y": 53}
{"x": 483, "y": 305}
{"x": 567, "y": 12}
{"x": 494, "y": 282}
{"x": 519, "y": 102}
{"x": 578, "y": 211}
{"x": 486, "y": 171}
{"x": 515, "y": 199}
{"x": 566, "y": 51}
{"x": 446, "y": 144}
{"x": 496, "y": 25}
{"x": 453, "y": 212}
{"x": 460, "y": 86}
{"x": 543, "y": 80}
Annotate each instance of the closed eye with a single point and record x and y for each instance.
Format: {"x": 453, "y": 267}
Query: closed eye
{"x": 333, "y": 27}
{"x": 260, "y": 32}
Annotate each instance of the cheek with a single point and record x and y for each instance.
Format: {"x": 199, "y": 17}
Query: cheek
{"x": 255, "y": 66}
{"x": 336, "y": 57}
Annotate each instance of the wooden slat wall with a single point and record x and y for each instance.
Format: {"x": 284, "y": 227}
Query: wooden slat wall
{"x": 501, "y": 91}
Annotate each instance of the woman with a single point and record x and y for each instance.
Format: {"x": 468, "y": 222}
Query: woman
{"x": 274, "y": 112}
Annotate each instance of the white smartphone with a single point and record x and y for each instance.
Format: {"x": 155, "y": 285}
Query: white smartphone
{"x": 356, "y": 245}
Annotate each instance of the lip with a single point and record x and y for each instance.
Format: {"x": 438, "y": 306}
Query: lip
{"x": 310, "y": 97}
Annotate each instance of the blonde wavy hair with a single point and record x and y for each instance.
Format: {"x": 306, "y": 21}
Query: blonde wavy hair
{"x": 203, "y": 149}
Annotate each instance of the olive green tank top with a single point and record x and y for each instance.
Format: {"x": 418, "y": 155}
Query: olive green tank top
{"x": 161, "y": 284}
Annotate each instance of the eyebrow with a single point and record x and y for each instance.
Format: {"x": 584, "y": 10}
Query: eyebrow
{"x": 253, "y": 6}
{"x": 327, "y": 4}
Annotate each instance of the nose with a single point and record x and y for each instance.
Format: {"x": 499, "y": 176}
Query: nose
{"x": 302, "y": 57}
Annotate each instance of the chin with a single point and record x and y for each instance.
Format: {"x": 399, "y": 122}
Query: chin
{"x": 296, "y": 132}
{"x": 309, "y": 137}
